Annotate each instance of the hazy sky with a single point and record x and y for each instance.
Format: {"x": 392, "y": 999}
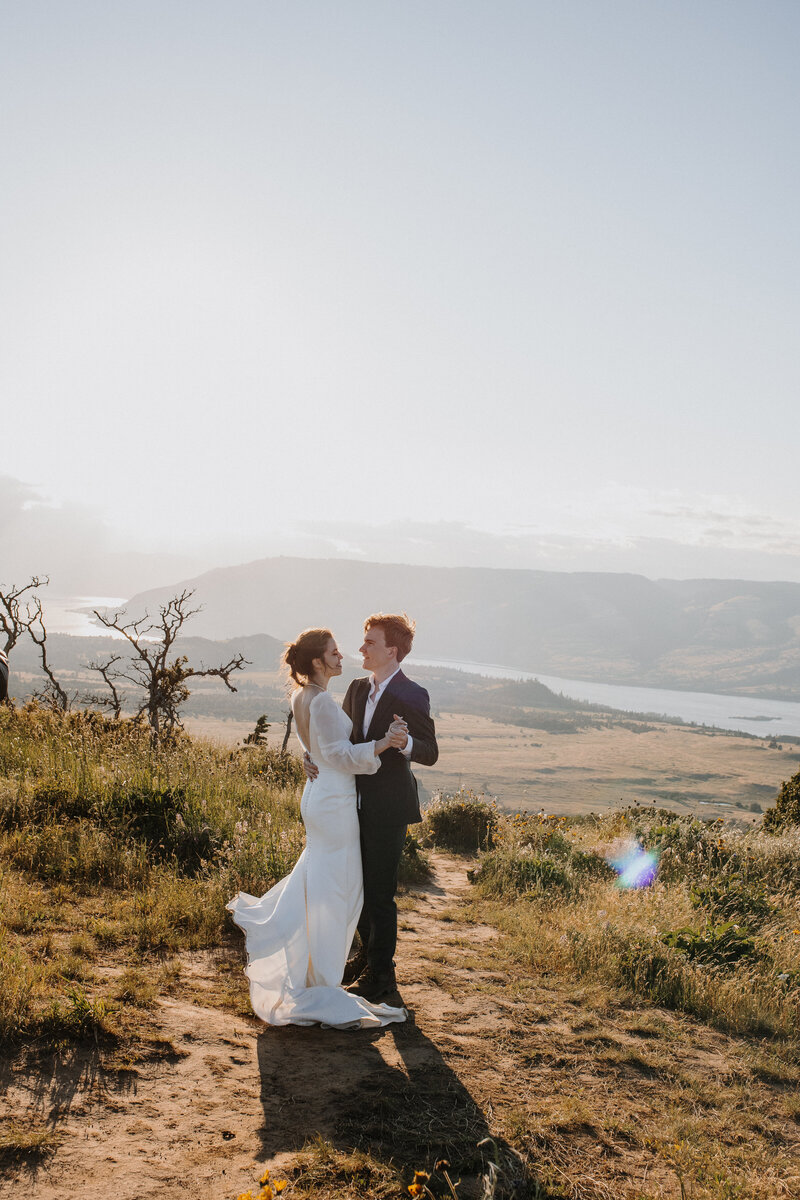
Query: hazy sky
{"x": 292, "y": 271}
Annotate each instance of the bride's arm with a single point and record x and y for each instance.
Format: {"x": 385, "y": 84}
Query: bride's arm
{"x": 338, "y": 751}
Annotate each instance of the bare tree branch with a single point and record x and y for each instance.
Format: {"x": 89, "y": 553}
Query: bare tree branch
{"x": 13, "y": 621}
{"x": 163, "y": 682}
{"x": 289, "y": 715}
{"x": 53, "y": 693}
{"x": 235, "y": 664}
{"x": 115, "y": 703}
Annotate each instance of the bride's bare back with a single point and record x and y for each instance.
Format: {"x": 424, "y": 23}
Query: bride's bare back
{"x": 301, "y": 703}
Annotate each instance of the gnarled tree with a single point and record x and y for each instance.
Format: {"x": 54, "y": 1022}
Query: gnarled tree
{"x": 19, "y": 608}
{"x": 162, "y": 679}
{"x": 53, "y": 693}
{"x": 21, "y": 612}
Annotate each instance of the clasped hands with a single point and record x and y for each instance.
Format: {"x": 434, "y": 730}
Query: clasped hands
{"x": 395, "y": 738}
{"x": 397, "y": 733}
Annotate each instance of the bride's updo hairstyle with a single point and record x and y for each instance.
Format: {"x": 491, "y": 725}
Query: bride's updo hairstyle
{"x": 300, "y": 654}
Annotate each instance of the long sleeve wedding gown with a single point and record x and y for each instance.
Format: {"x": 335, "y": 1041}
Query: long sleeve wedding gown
{"x": 298, "y": 934}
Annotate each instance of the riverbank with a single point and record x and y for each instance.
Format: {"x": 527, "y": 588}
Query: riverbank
{"x": 760, "y": 717}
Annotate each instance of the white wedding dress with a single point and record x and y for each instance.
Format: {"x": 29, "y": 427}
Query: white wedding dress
{"x": 298, "y": 934}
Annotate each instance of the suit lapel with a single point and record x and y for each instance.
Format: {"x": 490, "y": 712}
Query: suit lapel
{"x": 359, "y": 705}
{"x": 381, "y": 720}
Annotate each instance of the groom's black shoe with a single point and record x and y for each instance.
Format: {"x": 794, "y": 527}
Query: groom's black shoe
{"x": 375, "y": 987}
{"x": 355, "y": 967}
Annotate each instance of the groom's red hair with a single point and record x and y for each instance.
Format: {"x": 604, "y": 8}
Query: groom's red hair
{"x": 398, "y": 630}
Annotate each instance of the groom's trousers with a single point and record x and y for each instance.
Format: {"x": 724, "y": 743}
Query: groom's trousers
{"x": 381, "y": 849}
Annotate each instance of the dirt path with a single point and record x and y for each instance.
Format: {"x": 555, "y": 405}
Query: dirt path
{"x": 229, "y": 1096}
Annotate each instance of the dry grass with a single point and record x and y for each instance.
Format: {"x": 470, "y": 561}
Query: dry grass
{"x": 23, "y": 1141}
{"x": 109, "y": 849}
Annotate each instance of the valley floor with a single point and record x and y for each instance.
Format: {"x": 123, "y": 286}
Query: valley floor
{"x": 689, "y": 769}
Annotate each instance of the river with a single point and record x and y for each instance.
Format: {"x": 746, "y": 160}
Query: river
{"x": 62, "y": 614}
{"x": 764, "y": 718}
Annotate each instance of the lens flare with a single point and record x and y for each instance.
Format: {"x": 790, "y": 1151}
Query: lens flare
{"x": 635, "y": 866}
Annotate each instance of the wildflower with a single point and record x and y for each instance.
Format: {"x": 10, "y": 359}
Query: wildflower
{"x": 417, "y": 1188}
{"x": 264, "y": 1178}
{"x": 248, "y": 1195}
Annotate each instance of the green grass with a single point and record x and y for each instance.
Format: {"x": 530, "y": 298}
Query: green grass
{"x": 717, "y": 933}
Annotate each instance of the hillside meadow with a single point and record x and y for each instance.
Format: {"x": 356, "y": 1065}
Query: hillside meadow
{"x": 570, "y": 1037}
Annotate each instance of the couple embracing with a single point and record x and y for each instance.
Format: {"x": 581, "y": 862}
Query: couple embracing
{"x": 358, "y": 801}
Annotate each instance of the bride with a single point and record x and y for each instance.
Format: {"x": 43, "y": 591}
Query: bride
{"x": 298, "y": 934}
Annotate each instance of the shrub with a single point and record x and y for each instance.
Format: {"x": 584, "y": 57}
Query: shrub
{"x": 504, "y": 873}
{"x": 414, "y": 866}
{"x": 732, "y": 900}
{"x": 464, "y": 822}
{"x": 716, "y": 945}
{"x": 787, "y": 806}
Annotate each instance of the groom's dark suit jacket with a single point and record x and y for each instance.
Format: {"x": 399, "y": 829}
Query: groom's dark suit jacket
{"x": 390, "y": 796}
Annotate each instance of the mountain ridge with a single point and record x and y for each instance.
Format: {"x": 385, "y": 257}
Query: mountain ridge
{"x": 701, "y": 635}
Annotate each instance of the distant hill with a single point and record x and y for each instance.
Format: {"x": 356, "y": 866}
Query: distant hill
{"x": 703, "y": 635}
{"x": 70, "y": 653}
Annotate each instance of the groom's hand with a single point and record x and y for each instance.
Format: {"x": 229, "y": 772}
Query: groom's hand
{"x": 310, "y": 767}
{"x": 398, "y": 732}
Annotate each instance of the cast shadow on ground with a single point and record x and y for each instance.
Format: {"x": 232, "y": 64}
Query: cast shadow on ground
{"x": 52, "y": 1080}
{"x": 338, "y": 1085}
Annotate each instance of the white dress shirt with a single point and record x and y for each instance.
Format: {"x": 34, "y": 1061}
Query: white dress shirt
{"x": 372, "y": 703}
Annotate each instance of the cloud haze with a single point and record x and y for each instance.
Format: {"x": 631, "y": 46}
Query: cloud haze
{"x": 84, "y": 555}
{"x": 432, "y": 269}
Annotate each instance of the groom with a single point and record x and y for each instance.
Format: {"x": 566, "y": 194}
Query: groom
{"x": 388, "y": 801}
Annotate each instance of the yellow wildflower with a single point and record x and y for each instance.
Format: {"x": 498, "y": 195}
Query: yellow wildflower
{"x": 266, "y": 1193}
{"x": 248, "y": 1195}
{"x": 417, "y": 1188}
{"x": 280, "y": 1184}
